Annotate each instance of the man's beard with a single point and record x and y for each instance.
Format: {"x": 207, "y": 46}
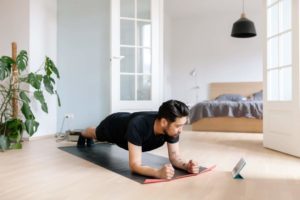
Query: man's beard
{"x": 166, "y": 133}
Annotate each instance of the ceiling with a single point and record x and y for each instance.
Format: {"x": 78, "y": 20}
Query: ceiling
{"x": 189, "y": 8}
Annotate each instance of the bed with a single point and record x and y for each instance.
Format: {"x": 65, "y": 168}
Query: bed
{"x": 244, "y": 116}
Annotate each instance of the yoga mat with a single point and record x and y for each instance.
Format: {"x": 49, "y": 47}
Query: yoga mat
{"x": 115, "y": 159}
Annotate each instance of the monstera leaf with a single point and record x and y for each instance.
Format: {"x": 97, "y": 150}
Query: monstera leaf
{"x": 27, "y": 88}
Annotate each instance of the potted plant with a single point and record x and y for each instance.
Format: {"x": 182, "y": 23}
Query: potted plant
{"x": 15, "y": 80}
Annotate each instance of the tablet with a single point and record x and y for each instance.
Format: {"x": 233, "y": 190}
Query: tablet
{"x": 237, "y": 169}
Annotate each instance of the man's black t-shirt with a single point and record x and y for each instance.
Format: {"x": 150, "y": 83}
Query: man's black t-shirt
{"x": 136, "y": 128}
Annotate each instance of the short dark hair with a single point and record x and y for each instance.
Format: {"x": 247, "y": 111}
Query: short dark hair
{"x": 172, "y": 109}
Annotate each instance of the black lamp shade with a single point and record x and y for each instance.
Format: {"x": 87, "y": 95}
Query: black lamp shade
{"x": 243, "y": 28}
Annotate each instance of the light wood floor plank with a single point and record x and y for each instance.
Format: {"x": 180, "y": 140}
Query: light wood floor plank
{"x": 41, "y": 171}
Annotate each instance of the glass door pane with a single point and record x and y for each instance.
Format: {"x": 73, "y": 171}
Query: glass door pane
{"x": 144, "y": 9}
{"x": 285, "y": 84}
{"x": 279, "y": 51}
{"x": 273, "y": 19}
{"x": 272, "y": 53}
{"x": 144, "y": 61}
{"x": 285, "y": 15}
{"x": 273, "y": 82}
{"x": 136, "y": 48}
{"x": 127, "y": 33}
{"x": 127, "y": 64}
{"x": 127, "y": 87}
{"x": 144, "y": 34}
{"x": 144, "y": 87}
{"x": 127, "y": 8}
{"x": 271, "y": 2}
{"x": 285, "y": 51}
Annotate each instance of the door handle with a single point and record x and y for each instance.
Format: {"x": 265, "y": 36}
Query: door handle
{"x": 118, "y": 57}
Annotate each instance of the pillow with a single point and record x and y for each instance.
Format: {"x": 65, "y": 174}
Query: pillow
{"x": 231, "y": 97}
{"x": 258, "y": 96}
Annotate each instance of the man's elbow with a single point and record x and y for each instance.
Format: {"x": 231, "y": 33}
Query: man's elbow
{"x": 133, "y": 167}
{"x": 173, "y": 161}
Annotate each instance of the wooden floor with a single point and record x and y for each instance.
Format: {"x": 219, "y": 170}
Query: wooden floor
{"x": 41, "y": 171}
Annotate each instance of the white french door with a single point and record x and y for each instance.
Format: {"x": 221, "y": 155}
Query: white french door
{"x": 136, "y": 54}
{"x": 281, "y": 77}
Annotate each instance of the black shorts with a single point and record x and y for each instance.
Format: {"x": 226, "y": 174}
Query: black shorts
{"x": 102, "y": 133}
{"x": 113, "y": 128}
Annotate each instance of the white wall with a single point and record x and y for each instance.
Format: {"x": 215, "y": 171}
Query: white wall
{"x": 14, "y": 23}
{"x": 32, "y": 24}
{"x": 203, "y": 42}
{"x": 43, "y": 42}
{"x": 83, "y": 57}
{"x": 167, "y": 73}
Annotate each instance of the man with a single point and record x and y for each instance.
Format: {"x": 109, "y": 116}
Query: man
{"x": 145, "y": 131}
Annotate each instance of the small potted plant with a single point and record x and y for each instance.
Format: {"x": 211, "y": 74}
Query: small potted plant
{"x": 15, "y": 80}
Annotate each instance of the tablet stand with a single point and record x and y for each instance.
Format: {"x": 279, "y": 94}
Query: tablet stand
{"x": 238, "y": 176}
{"x": 237, "y": 169}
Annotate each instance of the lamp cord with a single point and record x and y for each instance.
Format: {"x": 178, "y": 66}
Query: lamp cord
{"x": 60, "y": 134}
{"x": 62, "y": 126}
{"x": 243, "y": 6}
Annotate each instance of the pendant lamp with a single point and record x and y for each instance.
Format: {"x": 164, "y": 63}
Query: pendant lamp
{"x": 243, "y": 28}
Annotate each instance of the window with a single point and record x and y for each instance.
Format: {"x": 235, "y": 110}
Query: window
{"x": 135, "y": 46}
{"x": 279, "y": 50}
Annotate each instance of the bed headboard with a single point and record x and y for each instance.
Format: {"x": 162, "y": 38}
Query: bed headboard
{"x": 242, "y": 88}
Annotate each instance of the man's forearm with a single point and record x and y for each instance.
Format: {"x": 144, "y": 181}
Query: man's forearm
{"x": 178, "y": 162}
{"x": 145, "y": 170}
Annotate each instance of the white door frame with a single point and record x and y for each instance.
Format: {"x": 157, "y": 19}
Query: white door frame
{"x": 157, "y": 60}
{"x": 282, "y": 118}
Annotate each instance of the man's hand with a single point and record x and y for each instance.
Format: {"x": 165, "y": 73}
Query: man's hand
{"x": 166, "y": 172}
{"x": 192, "y": 167}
